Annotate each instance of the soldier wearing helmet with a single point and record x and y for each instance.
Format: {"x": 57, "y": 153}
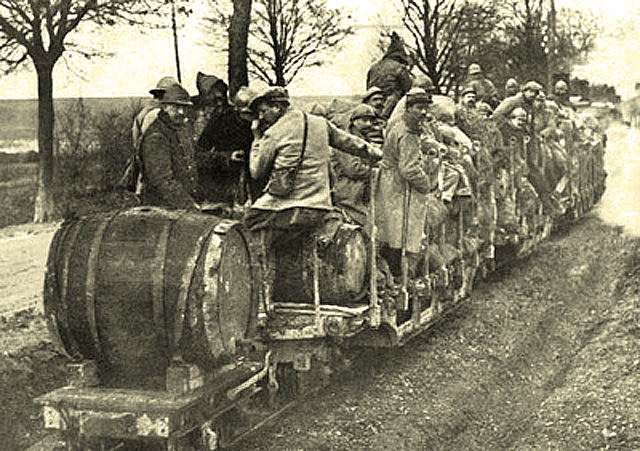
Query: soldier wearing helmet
{"x": 485, "y": 89}
{"x": 352, "y": 173}
{"x": 561, "y": 95}
{"x": 421, "y": 81}
{"x": 511, "y": 88}
{"x": 169, "y": 169}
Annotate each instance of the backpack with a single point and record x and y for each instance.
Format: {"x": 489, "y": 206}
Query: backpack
{"x": 132, "y": 179}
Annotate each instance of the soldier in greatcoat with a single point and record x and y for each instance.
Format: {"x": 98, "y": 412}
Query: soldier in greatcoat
{"x": 404, "y": 184}
{"x": 484, "y": 88}
{"x": 168, "y": 164}
{"x": 222, "y": 146}
{"x": 353, "y": 173}
{"x": 277, "y": 147}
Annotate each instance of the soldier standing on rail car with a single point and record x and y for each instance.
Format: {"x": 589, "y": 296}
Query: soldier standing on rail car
{"x": 484, "y": 88}
{"x": 523, "y": 99}
{"x": 149, "y": 113}
{"x": 222, "y": 147}
{"x": 391, "y": 74}
{"x": 511, "y": 88}
{"x": 168, "y": 164}
{"x": 401, "y": 198}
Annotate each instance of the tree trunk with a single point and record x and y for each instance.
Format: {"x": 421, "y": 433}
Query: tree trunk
{"x": 44, "y": 206}
{"x": 238, "y": 38}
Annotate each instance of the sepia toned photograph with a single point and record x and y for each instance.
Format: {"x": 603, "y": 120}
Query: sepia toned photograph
{"x": 319, "y": 225}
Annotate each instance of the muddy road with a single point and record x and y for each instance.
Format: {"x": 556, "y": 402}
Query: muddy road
{"x": 543, "y": 356}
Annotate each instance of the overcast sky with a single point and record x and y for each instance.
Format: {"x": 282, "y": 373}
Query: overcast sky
{"x": 142, "y": 58}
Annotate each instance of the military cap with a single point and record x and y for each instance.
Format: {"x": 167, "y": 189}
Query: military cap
{"x": 176, "y": 95}
{"x": 468, "y": 90}
{"x": 561, "y": 85}
{"x": 474, "y": 69}
{"x": 424, "y": 81}
{"x": 270, "y": 94}
{"x": 372, "y": 91}
{"x": 418, "y": 95}
{"x": 244, "y": 97}
{"x": 162, "y": 86}
{"x": 532, "y": 86}
{"x": 512, "y": 83}
{"x": 362, "y": 111}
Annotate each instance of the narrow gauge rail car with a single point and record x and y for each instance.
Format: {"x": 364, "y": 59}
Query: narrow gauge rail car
{"x": 175, "y": 346}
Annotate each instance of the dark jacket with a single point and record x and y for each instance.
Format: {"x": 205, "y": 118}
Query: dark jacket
{"x": 168, "y": 166}
{"x": 220, "y": 177}
{"x": 391, "y": 74}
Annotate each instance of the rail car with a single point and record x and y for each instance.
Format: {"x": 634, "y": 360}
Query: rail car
{"x": 175, "y": 343}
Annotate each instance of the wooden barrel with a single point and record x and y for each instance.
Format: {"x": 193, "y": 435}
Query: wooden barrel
{"x": 134, "y": 289}
{"x": 343, "y": 268}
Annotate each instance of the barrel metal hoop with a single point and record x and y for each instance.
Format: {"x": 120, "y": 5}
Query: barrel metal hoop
{"x": 63, "y": 320}
{"x": 90, "y": 287}
{"x": 185, "y": 288}
{"x": 157, "y": 283}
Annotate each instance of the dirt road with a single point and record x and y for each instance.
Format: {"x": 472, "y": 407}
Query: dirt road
{"x": 23, "y": 253}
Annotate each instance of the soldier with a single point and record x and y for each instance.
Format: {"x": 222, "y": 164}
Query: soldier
{"x": 404, "y": 185}
{"x": 523, "y": 99}
{"x": 168, "y": 165}
{"x": 374, "y": 97}
{"x": 561, "y": 95}
{"x": 279, "y": 140}
{"x": 485, "y": 89}
{"x": 222, "y": 147}
{"x": 511, "y": 88}
{"x": 351, "y": 187}
{"x": 466, "y": 116}
{"x": 148, "y": 114}
{"x": 421, "y": 81}
{"x": 391, "y": 74}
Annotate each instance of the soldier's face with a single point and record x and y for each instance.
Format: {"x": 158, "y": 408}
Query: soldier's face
{"x": 364, "y": 124}
{"x": 469, "y": 100}
{"x": 268, "y": 114}
{"x": 529, "y": 94}
{"x": 419, "y": 110}
{"x": 519, "y": 121}
{"x": 376, "y": 102}
{"x": 215, "y": 100}
{"x": 177, "y": 113}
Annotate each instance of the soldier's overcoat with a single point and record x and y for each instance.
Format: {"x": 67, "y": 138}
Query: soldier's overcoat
{"x": 402, "y": 175}
{"x": 280, "y": 147}
{"x": 168, "y": 166}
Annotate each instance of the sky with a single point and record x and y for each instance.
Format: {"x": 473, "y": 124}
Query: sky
{"x": 141, "y": 58}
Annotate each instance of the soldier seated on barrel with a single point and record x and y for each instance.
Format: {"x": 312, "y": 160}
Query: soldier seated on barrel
{"x": 292, "y": 151}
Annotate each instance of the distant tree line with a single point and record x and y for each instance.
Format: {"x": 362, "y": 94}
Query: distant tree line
{"x": 275, "y": 40}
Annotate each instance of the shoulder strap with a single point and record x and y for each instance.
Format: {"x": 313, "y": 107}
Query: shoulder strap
{"x": 304, "y": 141}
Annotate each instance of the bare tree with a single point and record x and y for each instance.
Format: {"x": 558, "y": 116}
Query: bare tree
{"x": 39, "y": 31}
{"x": 446, "y": 34}
{"x": 285, "y": 36}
